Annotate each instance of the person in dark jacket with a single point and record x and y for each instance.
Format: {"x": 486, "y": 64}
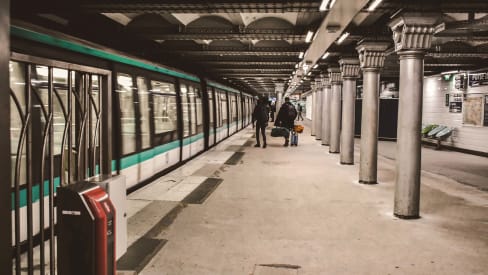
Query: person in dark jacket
{"x": 285, "y": 118}
{"x": 260, "y": 116}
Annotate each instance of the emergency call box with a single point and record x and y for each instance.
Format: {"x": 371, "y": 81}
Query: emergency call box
{"x": 86, "y": 230}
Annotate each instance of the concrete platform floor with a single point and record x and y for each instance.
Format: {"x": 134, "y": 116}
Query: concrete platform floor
{"x": 296, "y": 210}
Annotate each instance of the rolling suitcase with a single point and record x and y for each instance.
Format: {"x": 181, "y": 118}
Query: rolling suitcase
{"x": 294, "y": 138}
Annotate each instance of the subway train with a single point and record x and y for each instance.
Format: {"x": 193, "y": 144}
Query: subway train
{"x": 79, "y": 110}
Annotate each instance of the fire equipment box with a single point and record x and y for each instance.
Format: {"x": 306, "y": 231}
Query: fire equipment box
{"x": 86, "y": 230}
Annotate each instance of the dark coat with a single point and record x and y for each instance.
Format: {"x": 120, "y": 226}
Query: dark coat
{"x": 260, "y": 114}
{"x": 282, "y": 118}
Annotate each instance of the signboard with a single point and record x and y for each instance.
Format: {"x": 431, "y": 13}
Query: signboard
{"x": 478, "y": 79}
{"x": 456, "y": 103}
{"x": 460, "y": 82}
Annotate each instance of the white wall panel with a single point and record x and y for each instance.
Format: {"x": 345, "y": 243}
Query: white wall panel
{"x": 435, "y": 112}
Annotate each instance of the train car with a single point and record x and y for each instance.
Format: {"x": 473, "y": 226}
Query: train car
{"x": 79, "y": 110}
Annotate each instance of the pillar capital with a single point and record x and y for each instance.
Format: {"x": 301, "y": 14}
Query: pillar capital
{"x": 279, "y": 87}
{"x": 318, "y": 83}
{"x": 372, "y": 53}
{"x": 335, "y": 75}
{"x": 413, "y": 31}
{"x": 325, "y": 80}
{"x": 349, "y": 68}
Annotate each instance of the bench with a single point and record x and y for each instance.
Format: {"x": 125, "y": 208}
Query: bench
{"x": 436, "y": 133}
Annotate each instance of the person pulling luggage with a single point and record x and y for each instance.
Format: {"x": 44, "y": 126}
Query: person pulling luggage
{"x": 286, "y": 117}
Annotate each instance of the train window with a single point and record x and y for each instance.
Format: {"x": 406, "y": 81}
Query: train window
{"x": 192, "y": 103}
{"x": 233, "y": 106}
{"x": 198, "y": 99}
{"x": 185, "y": 110}
{"x": 164, "y": 107}
{"x": 95, "y": 94}
{"x": 162, "y": 87}
{"x": 223, "y": 103}
{"x": 145, "y": 111}
{"x": 210, "y": 109}
{"x": 127, "y": 113}
{"x": 18, "y": 87}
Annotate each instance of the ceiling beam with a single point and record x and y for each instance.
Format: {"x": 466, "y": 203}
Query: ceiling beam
{"x": 336, "y": 21}
{"x": 224, "y": 36}
{"x": 198, "y": 6}
{"x": 238, "y": 53}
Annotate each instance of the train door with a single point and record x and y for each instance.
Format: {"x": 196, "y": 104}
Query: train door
{"x": 197, "y": 137}
{"x": 232, "y": 112}
{"x": 225, "y": 114}
{"x": 192, "y": 117}
{"x": 240, "y": 116}
{"x": 165, "y": 140}
{"x": 218, "y": 113}
{"x": 211, "y": 115}
{"x": 56, "y": 121}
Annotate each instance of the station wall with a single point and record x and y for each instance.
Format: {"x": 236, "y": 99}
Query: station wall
{"x": 444, "y": 103}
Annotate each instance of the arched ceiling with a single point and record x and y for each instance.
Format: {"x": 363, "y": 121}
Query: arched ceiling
{"x": 255, "y": 44}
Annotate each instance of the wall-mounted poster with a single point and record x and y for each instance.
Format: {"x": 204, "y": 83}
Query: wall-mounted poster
{"x": 473, "y": 111}
{"x": 478, "y": 79}
{"x": 455, "y": 103}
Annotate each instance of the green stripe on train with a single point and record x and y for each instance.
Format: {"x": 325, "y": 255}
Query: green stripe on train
{"x": 135, "y": 159}
{"x": 35, "y": 193}
{"x": 61, "y": 43}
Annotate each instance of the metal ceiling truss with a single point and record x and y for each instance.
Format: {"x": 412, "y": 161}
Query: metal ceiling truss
{"x": 198, "y": 6}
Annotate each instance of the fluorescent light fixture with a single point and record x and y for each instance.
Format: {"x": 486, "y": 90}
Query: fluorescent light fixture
{"x": 332, "y": 4}
{"x": 342, "y": 38}
{"x": 301, "y": 55}
{"x": 326, "y": 54}
{"x": 309, "y": 73}
{"x": 309, "y": 37}
{"x": 323, "y": 5}
{"x": 296, "y": 66}
{"x": 315, "y": 66}
{"x": 373, "y": 5}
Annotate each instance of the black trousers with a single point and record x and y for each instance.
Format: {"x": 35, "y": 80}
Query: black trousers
{"x": 262, "y": 128}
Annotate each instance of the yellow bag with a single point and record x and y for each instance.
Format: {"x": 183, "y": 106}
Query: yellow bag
{"x": 298, "y": 128}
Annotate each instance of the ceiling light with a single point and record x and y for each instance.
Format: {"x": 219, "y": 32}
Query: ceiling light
{"x": 323, "y": 5}
{"x": 296, "y": 66}
{"x": 373, "y": 5}
{"x": 301, "y": 55}
{"x": 326, "y": 54}
{"x": 315, "y": 66}
{"x": 309, "y": 37}
{"x": 342, "y": 38}
{"x": 332, "y": 4}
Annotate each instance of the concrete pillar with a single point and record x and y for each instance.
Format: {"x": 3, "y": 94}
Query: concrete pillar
{"x": 326, "y": 110}
{"x": 372, "y": 59}
{"x": 412, "y": 34}
{"x": 5, "y": 199}
{"x": 279, "y": 89}
{"x": 335, "y": 110}
{"x": 350, "y": 72}
{"x": 314, "y": 109}
{"x": 318, "y": 114}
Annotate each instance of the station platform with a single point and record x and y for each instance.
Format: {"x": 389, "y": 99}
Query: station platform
{"x": 238, "y": 209}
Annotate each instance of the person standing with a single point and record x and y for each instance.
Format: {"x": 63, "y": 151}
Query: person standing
{"x": 273, "y": 110}
{"x": 286, "y": 117}
{"x": 300, "y": 109}
{"x": 260, "y": 116}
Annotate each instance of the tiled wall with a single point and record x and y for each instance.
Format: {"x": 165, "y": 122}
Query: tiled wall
{"x": 435, "y": 112}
